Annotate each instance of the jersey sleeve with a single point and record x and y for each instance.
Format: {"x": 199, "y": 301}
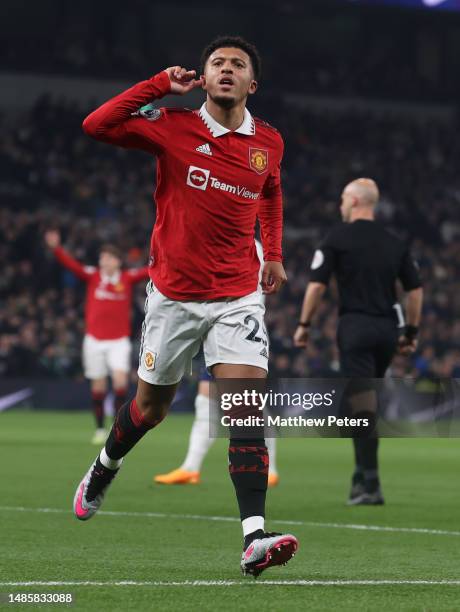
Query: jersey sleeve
{"x": 120, "y": 122}
{"x": 323, "y": 263}
{"x": 136, "y": 275}
{"x": 409, "y": 273}
{"x": 270, "y": 214}
{"x": 82, "y": 272}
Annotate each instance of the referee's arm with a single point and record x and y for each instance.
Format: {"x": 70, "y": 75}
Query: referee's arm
{"x": 412, "y": 285}
{"x": 313, "y": 295}
{"x": 321, "y": 270}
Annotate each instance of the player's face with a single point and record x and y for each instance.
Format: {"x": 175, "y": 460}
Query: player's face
{"x": 108, "y": 263}
{"x": 228, "y": 77}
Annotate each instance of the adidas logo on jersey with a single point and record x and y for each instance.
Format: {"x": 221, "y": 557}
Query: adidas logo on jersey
{"x": 204, "y": 148}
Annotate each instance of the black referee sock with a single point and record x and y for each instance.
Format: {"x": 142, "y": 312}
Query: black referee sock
{"x": 366, "y": 442}
{"x": 129, "y": 427}
{"x": 248, "y": 467}
{"x": 368, "y": 450}
{"x": 358, "y": 476}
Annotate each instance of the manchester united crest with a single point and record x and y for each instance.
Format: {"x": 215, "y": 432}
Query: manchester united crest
{"x": 149, "y": 360}
{"x": 258, "y": 160}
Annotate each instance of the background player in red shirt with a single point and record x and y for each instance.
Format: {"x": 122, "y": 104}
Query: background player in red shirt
{"x": 218, "y": 172}
{"x": 107, "y": 343}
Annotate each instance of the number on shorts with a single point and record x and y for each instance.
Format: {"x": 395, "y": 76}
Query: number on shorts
{"x": 253, "y": 333}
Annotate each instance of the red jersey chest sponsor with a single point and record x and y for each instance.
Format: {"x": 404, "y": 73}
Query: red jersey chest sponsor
{"x": 112, "y": 291}
{"x": 234, "y": 166}
{"x": 108, "y": 308}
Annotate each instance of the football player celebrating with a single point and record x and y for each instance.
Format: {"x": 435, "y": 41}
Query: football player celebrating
{"x": 107, "y": 344}
{"x": 218, "y": 171}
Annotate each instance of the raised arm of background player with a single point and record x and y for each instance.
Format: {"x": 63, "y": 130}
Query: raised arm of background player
{"x": 53, "y": 242}
{"x": 114, "y": 123}
{"x": 321, "y": 273}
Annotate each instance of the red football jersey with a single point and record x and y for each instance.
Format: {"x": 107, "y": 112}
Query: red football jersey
{"x": 212, "y": 185}
{"x": 108, "y": 299}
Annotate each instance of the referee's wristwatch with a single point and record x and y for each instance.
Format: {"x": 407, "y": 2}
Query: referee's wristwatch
{"x": 304, "y": 324}
{"x": 411, "y": 332}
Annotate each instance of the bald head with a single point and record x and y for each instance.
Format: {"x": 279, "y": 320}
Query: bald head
{"x": 365, "y": 190}
{"x": 359, "y": 199}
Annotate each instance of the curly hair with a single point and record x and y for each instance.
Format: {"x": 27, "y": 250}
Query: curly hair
{"x": 239, "y": 43}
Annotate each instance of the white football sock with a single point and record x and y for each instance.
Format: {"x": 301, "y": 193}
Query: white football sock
{"x": 252, "y": 523}
{"x": 199, "y": 442}
{"x": 111, "y": 464}
{"x": 271, "y": 447}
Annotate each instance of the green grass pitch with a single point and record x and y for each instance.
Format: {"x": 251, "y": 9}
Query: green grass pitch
{"x": 44, "y": 455}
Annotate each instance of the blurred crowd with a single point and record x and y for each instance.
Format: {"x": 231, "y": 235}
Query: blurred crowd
{"x": 52, "y": 175}
{"x": 339, "y": 49}
{"x": 318, "y": 71}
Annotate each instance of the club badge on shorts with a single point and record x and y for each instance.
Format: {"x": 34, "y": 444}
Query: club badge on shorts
{"x": 149, "y": 359}
{"x": 258, "y": 160}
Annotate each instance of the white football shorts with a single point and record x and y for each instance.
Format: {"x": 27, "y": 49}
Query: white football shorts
{"x": 102, "y": 357}
{"x": 231, "y": 331}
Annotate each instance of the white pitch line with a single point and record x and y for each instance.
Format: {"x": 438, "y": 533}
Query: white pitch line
{"x": 225, "y": 583}
{"x": 200, "y": 517}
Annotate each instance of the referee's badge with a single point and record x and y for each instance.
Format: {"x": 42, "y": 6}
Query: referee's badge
{"x": 318, "y": 260}
{"x": 258, "y": 160}
{"x": 149, "y": 359}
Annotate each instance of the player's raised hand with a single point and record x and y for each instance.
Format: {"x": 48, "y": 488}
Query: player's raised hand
{"x": 182, "y": 80}
{"x": 301, "y": 336}
{"x": 273, "y": 277}
{"x": 52, "y": 239}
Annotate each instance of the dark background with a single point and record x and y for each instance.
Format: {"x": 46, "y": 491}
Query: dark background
{"x": 310, "y": 47}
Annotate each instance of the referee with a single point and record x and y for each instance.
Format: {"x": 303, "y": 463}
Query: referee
{"x": 367, "y": 261}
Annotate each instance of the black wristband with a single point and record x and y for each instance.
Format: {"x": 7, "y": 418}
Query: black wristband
{"x": 411, "y": 332}
{"x": 304, "y": 324}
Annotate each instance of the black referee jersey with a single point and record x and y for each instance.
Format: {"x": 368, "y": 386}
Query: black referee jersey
{"x": 366, "y": 260}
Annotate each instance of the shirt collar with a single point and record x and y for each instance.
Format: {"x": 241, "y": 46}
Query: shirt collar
{"x": 248, "y": 127}
{"x": 110, "y": 279}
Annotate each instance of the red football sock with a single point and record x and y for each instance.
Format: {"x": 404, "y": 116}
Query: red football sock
{"x": 98, "y": 407}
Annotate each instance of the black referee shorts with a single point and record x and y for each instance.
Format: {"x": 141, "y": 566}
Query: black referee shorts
{"x": 366, "y": 345}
